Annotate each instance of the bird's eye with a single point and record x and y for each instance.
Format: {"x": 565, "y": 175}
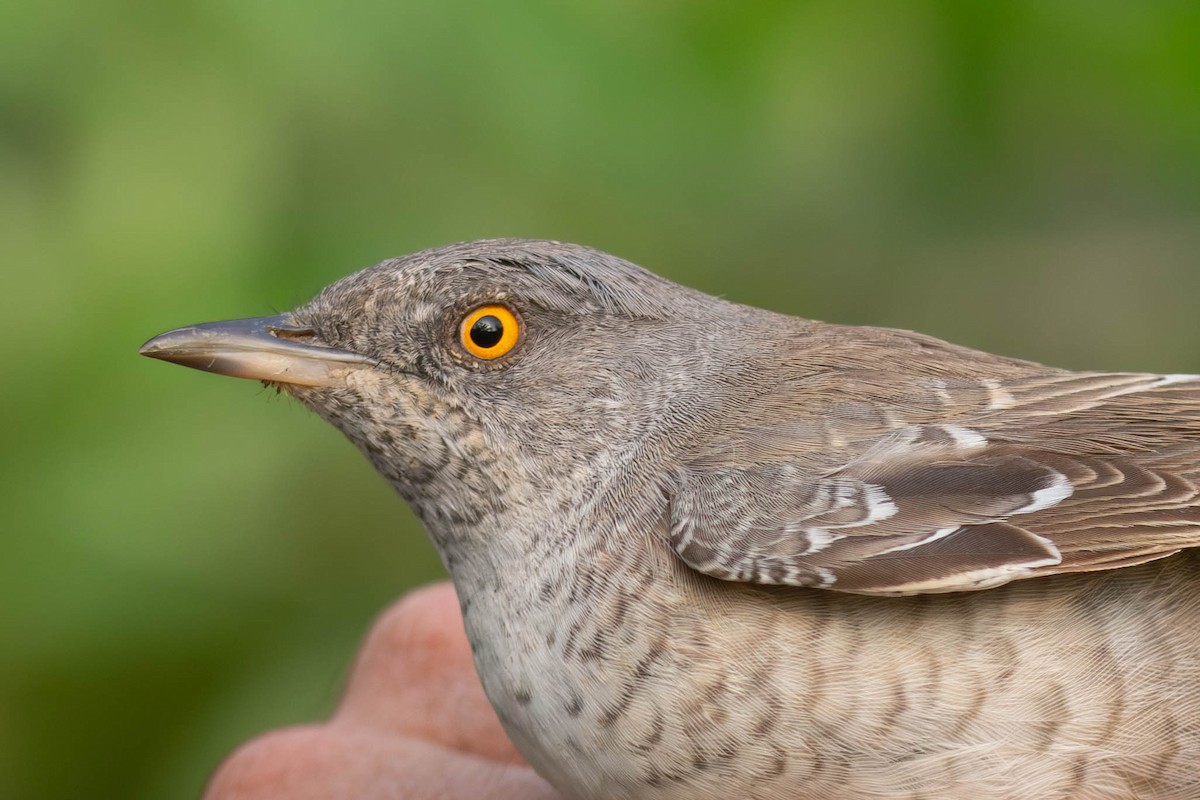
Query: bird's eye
{"x": 489, "y": 332}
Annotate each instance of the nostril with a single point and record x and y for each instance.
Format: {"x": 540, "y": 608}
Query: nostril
{"x": 292, "y": 334}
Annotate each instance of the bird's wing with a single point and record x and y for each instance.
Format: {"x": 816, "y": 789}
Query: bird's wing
{"x": 1067, "y": 472}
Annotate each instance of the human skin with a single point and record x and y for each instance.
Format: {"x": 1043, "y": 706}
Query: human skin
{"x": 413, "y": 724}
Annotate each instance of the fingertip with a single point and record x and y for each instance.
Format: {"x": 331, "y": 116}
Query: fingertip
{"x": 275, "y": 764}
{"x": 317, "y": 762}
{"x": 425, "y": 621}
{"x": 415, "y": 677}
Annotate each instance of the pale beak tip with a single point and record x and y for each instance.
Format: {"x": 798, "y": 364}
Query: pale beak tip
{"x": 158, "y": 346}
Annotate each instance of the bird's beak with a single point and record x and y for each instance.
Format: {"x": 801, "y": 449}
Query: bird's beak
{"x": 262, "y": 348}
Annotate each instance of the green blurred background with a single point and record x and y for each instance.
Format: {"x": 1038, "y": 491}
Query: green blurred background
{"x": 187, "y": 560}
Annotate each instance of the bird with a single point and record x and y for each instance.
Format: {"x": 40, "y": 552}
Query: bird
{"x": 705, "y": 550}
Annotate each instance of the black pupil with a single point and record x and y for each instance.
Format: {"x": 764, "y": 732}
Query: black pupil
{"x": 487, "y": 332}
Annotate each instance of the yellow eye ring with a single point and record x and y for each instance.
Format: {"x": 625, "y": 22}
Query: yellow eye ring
{"x": 489, "y": 332}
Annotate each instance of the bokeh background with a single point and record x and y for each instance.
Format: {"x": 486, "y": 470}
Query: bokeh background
{"x": 187, "y": 560}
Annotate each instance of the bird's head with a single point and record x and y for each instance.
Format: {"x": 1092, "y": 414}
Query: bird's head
{"x": 488, "y": 375}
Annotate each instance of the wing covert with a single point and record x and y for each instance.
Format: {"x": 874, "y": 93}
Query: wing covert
{"x": 957, "y": 507}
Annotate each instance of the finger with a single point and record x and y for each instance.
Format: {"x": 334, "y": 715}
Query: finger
{"x": 415, "y": 677}
{"x": 325, "y": 761}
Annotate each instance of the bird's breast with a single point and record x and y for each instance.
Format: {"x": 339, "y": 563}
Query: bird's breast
{"x": 621, "y": 674}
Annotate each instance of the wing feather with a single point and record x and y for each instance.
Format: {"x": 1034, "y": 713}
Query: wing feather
{"x": 1047, "y": 474}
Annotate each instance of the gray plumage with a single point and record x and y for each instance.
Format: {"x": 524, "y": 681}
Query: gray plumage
{"x": 708, "y": 551}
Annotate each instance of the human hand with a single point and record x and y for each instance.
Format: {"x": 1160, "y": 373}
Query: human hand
{"x": 414, "y": 724}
